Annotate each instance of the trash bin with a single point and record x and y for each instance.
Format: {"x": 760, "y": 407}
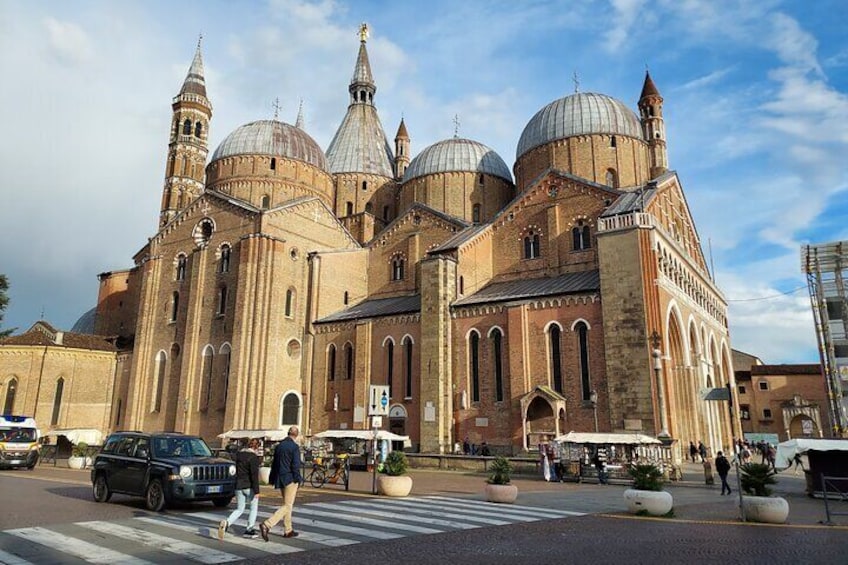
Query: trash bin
{"x": 708, "y": 472}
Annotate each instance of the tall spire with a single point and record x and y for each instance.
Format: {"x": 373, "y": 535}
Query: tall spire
{"x": 362, "y": 87}
{"x": 299, "y": 122}
{"x": 649, "y": 88}
{"x": 195, "y": 82}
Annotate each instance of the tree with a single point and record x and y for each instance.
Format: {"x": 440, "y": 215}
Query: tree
{"x": 4, "y": 301}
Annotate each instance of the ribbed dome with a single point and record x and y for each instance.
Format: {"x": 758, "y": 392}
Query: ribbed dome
{"x": 457, "y": 155}
{"x": 270, "y": 137}
{"x": 85, "y": 323}
{"x": 578, "y": 114}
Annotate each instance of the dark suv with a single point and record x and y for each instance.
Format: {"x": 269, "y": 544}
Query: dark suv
{"x": 163, "y": 468}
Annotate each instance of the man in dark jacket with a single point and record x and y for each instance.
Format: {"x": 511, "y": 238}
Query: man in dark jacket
{"x": 722, "y": 466}
{"x": 247, "y": 489}
{"x": 285, "y": 475}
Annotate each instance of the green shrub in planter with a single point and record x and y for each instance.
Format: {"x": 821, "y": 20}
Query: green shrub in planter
{"x": 500, "y": 470}
{"x": 79, "y": 449}
{"x": 646, "y": 476}
{"x": 756, "y": 477}
{"x": 396, "y": 464}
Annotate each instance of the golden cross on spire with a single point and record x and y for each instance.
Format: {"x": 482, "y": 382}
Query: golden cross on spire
{"x": 277, "y": 107}
{"x": 576, "y": 82}
{"x": 363, "y": 32}
{"x": 456, "y": 125}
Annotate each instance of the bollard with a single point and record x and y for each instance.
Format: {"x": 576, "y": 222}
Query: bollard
{"x": 708, "y": 472}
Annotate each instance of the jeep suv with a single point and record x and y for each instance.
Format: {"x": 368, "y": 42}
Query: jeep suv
{"x": 163, "y": 468}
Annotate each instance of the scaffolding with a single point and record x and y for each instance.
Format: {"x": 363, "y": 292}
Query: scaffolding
{"x": 825, "y": 265}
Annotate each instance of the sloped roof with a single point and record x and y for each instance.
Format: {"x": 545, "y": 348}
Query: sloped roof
{"x": 376, "y": 308}
{"x": 569, "y": 283}
{"x": 785, "y": 370}
{"x": 40, "y": 335}
{"x": 455, "y": 241}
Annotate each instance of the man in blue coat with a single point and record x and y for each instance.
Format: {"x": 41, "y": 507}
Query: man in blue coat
{"x": 285, "y": 475}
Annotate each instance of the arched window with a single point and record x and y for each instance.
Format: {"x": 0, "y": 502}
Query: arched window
{"x": 57, "y": 401}
{"x": 222, "y": 301}
{"x": 187, "y": 127}
{"x": 224, "y": 265}
{"x": 386, "y": 213}
{"x": 118, "y": 412}
{"x": 11, "y": 392}
{"x": 348, "y": 361}
{"x": 613, "y": 142}
{"x": 474, "y": 362}
{"x": 407, "y": 365}
{"x": 612, "y": 178}
{"x": 158, "y": 380}
{"x": 291, "y": 410}
{"x": 364, "y": 185}
{"x": 397, "y": 269}
{"x": 581, "y": 237}
{"x": 331, "y": 363}
{"x": 349, "y": 208}
{"x": 531, "y": 245}
{"x": 226, "y": 355}
{"x": 461, "y": 285}
{"x": 475, "y": 214}
{"x": 390, "y": 364}
{"x": 181, "y": 268}
{"x": 497, "y": 354}
{"x": 273, "y": 163}
{"x": 290, "y": 296}
{"x": 346, "y": 297}
{"x": 556, "y": 357}
{"x": 266, "y": 202}
{"x": 206, "y": 377}
{"x": 582, "y": 331}
{"x": 175, "y": 305}
{"x": 198, "y": 129}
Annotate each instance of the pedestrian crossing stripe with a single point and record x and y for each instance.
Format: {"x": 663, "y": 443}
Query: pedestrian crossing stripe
{"x": 336, "y": 523}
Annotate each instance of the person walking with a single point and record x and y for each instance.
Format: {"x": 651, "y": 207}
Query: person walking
{"x": 285, "y": 475}
{"x": 722, "y": 466}
{"x": 693, "y": 451}
{"x": 598, "y": 462}
{"x": 798, "y": 463}
{"x": 247, "y": 490}
{"x": 702, "y": 451}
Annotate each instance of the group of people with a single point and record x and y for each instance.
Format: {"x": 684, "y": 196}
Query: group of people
{"x": 466, "y": 448}
{"x": 285, "y": 476}
{"x": 696, "y": 451}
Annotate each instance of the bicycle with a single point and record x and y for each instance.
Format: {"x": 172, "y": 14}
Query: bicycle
{"x": 320, "y": 473}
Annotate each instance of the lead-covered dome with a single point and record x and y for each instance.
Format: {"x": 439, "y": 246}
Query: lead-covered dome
{"x": 457, "y": 154}
{"x": 273, "y": 138}
{"x": 581, "y": 113}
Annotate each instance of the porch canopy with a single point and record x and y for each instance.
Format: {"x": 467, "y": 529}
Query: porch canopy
{"x": 268, "y": 435}
{"x": 365, "y": 435}
{"x": 90, "y": 436}
{"x": 607, "y": 439}
{"x": 786, "y": 451}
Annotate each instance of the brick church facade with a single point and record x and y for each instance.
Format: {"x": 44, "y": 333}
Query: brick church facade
{"x": 283, "y": 280}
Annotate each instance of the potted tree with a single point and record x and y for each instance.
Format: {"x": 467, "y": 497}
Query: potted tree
{"x": 393, "y": 480}
{"x": 647, "y": 495}
{"x": 77, "y": 460}
{"x": 498, "y": 488}
{"x": 265, "y": 467}
{"x": 759, "y": 505}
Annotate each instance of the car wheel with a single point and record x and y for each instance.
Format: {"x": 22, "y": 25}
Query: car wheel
{"x": 101, "y": 489}
{"x": 154, "y": 497}
{"x": 222, "y": 502}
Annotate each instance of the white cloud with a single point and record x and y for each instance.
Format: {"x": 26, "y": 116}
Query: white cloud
{"x": 68, "y": 42}
{"x": 625, "y": 13}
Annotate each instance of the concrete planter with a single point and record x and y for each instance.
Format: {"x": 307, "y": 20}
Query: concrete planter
{"x": 766, "y": 509}
{"x": 264, "y": 475}
{"x": 655, "y": 503}
{"x": 505, "y": 494}
{"x": 76, "y": 462}
{"x": 394, "y": 486}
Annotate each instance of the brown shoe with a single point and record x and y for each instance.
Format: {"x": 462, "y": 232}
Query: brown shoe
{"x": 263, "y": 531}
{"x": 291, "y": 534}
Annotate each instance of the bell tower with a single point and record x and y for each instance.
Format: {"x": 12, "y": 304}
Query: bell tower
{"x": 189, "y": 142}
{"x": 401, "y": 150}
{"x": 653, "y": 126}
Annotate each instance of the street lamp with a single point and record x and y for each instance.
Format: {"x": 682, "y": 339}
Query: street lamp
{"x": 656, "y": 354}
{"x": 593, "y": 398}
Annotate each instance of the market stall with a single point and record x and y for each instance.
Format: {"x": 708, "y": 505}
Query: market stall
{"x": 357, "y": 443}
{"x": 617, "y": 452}
{"x": 825, "y": 458}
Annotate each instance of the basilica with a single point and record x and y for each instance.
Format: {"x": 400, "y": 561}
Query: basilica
{"x": 506, "y": 305}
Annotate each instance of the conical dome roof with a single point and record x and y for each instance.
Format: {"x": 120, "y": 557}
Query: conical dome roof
{"x": 274, "y": 138}
{"x": 457, "y": 154}
{"x": 581, "y": 113}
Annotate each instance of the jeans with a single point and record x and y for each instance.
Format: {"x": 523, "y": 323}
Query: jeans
{"x": 243, "y": 495}
{"x": 724, "y": 484}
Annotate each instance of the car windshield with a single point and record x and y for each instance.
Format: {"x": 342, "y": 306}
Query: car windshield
{"x": 21, "y": 435}
{"x": 180, "y": 447}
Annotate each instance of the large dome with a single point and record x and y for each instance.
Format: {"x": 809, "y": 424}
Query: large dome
{"x": 457, "y": 155}
{"x": 270, "y": 137}
{"x": 581, "y": 113}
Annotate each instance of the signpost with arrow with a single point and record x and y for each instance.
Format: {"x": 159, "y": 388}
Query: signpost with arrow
{"x": 378, "y": 406}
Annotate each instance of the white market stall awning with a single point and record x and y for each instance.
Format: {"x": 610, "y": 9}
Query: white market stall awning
{"x": 786, "y": 451}
{"x": 90, "y": 436}
{"x": 269, "y": 435}
{"x": 607, "y": 439}
{"x": 360, "y": 434}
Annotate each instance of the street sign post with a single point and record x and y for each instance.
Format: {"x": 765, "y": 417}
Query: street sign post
{"x": 378, "y": 400}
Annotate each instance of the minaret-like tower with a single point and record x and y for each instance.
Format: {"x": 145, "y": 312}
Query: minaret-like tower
{"x": 653, "y": 127}
{"x": 188, "y": 146}
{"x": 401, "y": 150}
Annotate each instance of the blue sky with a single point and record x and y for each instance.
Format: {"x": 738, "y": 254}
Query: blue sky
{"x": 756, "y": 106}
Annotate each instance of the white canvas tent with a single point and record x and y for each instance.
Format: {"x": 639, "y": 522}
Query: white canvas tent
{"x": 90, "y": 436}
{"x": 366, "y": 435}
{"x": 607, "y": 439}
{"x": 786, "y": 451}
{"x": 268, "y": 435}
